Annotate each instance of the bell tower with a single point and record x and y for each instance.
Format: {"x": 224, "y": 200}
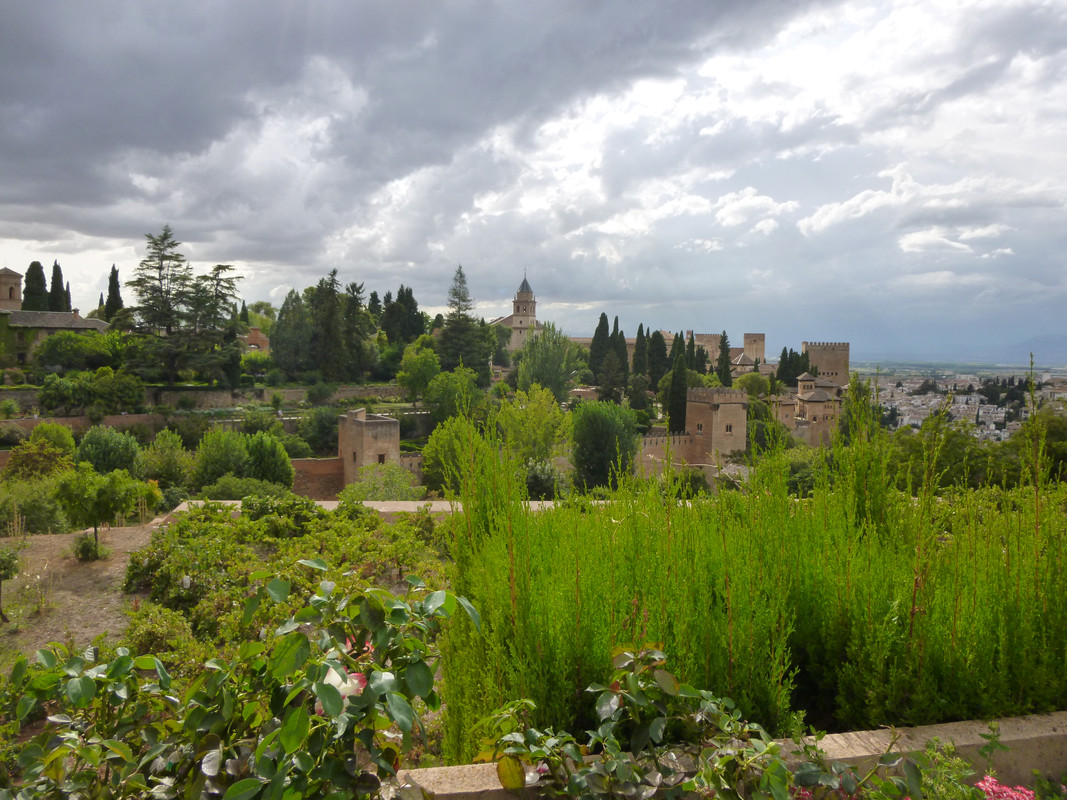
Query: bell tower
{"x": 523, "y": 315}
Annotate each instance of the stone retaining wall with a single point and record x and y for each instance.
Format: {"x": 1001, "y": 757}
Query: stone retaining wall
{"x": 1036, "y": 742}
{"x": 319, "y": 478}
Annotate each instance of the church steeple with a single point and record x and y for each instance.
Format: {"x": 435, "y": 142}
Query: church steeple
{"x": 523, "y": 315}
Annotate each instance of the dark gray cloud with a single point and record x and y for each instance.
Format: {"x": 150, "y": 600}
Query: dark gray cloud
{"x": 869, "y": 170}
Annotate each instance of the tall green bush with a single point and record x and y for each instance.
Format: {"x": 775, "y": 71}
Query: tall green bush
{"x": 268, "y": 461}
{"x": 605, "y": 442}
{"x": 221, "y": 452}
{"x": 107, "y": 450}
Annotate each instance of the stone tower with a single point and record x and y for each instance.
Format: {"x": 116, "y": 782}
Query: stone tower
{"x": 10, "y": 290}
{"x": 830, "y": 359}
{"x": 523, "y": 315}
{"x": 755, "y": 344}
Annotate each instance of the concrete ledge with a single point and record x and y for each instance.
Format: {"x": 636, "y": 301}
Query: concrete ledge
{"x": 1036, "y": 742}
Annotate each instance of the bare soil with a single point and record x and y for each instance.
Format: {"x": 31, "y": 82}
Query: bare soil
{"x": 57, "y": 598}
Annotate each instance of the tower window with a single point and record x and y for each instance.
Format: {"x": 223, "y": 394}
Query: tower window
{"x": 729, "y": 428}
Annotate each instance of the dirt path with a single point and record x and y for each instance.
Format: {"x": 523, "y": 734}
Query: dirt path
{"x": 57, "y": 598}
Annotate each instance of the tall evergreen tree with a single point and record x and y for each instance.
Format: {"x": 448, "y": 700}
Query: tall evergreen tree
{"x": 702, "y": 359}
{"x": 658, "y": 363}
{"x": 57, "y": 299}
{"x": 358, "y": 327}
{"x": 722, "y": 364}
{"x": 113, "y": 304}
{"x": 691, "y": 352}
{"x": 161, "y": 283}
{"x": 676, "y": 396}
{"x": 374, "y": 307}
{"x": 35, "y": 291}
{"x": 617, "y": 342}
{"x": 677, "y": 348}
{"x": 290, "y": 338}
{"x": 243, "y": 316}
{"x": 463, "y": 340}
{"x": 327, "y": 344}
{"x": 66, "y": 298}
{"x": 100, "y": 302}
{"x": 640, "y": 365}
{"x": 598, "y": 348}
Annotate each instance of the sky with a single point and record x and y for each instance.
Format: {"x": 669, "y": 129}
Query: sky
{"x": 891, "y": 173}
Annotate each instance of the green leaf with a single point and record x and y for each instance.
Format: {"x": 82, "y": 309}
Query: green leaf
{"x": 290, "y": 654}
{"x": 471, "y": 612}
{"x": 120, "y": 667}
{"x": 382, "y": 682}
{"x": 657, "y": 728}
{"x": 330, "y": 697}
{"x": 251, "y": 605}
{"x": 47, "y": 659}
{"x": 400, "y": 710}
{"x": 278, "y": 589}
{"x": 294, "y": 730}
{"x": 914, "y": 779}
{"x": 419, "y": 678}
{"x": 243, "y": 790}
{"x": 81, "y": 691}
{"x": 314, "y": 563}
{"x": 18, "y": 671}
{"x": 434, "y": 600}
{"x": 511, "y": 773}
{"x": 25, "y": 706}
{"x": 667, "y": 682}
{"x": 606, "y": 705}
{"x": 212, "y": 762}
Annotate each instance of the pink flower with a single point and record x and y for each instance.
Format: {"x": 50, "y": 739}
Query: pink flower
{"x": 994, "y": 790}
{"x": 348, "y": 684}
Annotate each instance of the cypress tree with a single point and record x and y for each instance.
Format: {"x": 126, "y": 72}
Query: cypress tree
{"x": 113, "y": 304}
{"x": 66, "y": 298}
{"x": 722, "y": 365}
{"x": 35, "y": 293}
{"x": 57, "y": 299}
{"x": 598, "y": 348}
{"x": 677, "y": 348}
{"x": 691, "y": 352}
{"x": 618, "y": 345}
{"x": 657, "y": 359}
{"x": 640, "y": 365}
{"x": 100, "y": 302}
{"x": 243, "y": 316}
{"x": 676, "y": 397}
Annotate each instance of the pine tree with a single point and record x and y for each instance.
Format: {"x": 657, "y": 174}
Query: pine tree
{"x": 113, "y": 304}
{"x": 676, "y": 396}
{"x": 162, "y": 282}
{"x": 722, "y": 365}
{"x": 463, "y": 340}
{"x": 243, "y": 316}
{"x": 677, "y": 348}
{"x": 290, "y": 338}
{"x": 598, "y": 348}
{"x": 323, "y": 302}
{"x": 57, "y": 300}
{"x": 35, "y": 293}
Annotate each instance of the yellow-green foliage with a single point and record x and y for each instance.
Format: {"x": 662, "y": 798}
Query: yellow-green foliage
{"x": 860, "y": 605}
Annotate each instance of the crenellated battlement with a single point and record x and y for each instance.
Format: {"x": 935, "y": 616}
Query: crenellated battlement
{"x": 825, "y": 345}
{"x": 717, "y": 395}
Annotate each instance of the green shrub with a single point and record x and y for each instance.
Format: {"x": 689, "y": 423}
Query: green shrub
{"x": 275, "y": 377}
{"x": 9, "y": 408}
{"x": 268, "y": 460}
{"x": 32, "y": 506}
{"x": 232, "y": 487}
{"x": 168, "y": 462}
{"x": 56, "y": 434}
{"x": 383, "y": 482}
{"x": 295, "y": 446}
{"x": 221, "y": 452}
{"x": 160, "y": 631}
{"x": 107, "y": 450}
{"x": 35, "y": 459}
{"x": 318, "y": 428}
{"x": 86, "y": 548}
{"x": 11, "y": 435}
{"x": 320, "y": 393}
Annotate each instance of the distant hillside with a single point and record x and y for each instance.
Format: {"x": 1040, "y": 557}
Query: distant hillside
{"x": 1049, "y": 351}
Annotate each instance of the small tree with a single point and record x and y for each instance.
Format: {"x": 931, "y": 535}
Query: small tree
{"x": 107, "y": 450}
{"x": 419, "y": 366}
{"x": 221, "y": 452}
{"x": 35, "y": 459}
{"x": 605, "y": 442}
{"x": 167, "y": 461}
{"x": 454, "y": 448}
{"x": 268, "y": 461}
{"x": 90, "y": 498}
{"x": 676, "y": 396}
{"x": 722, "y": 364}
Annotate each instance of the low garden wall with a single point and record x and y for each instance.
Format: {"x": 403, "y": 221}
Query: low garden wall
{"x": 1037, "y": 742}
